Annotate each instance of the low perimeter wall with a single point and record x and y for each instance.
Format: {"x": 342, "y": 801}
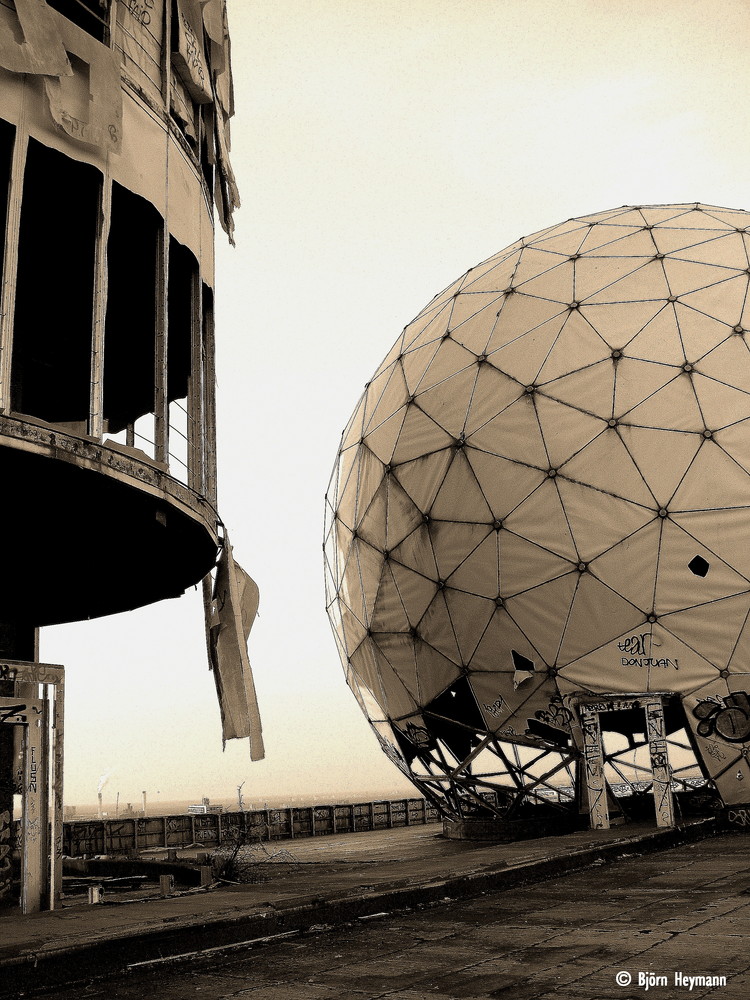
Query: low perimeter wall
{"x": 129, "y": 834}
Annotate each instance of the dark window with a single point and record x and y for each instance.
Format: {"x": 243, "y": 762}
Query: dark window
{"x": 55, "y": 287}
{"x": 130, "y": 329}
{"x": 91, "y": 15}
{"x": 183, "y": 270}
{"x": 7, "y": 134}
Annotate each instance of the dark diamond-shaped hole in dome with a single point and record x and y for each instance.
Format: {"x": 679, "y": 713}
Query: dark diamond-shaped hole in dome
{"x": 521, "y": 662}
{"x": 698, "y": 565}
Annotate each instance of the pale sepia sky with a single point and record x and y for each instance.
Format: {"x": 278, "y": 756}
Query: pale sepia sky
{"x": 381, "y": 149}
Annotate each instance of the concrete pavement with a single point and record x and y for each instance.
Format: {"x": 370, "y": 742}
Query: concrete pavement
{"x": 327, "y": 881}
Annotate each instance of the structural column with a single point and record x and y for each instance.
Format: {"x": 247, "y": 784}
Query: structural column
{"x": 661, "y": 771}
{"x": 593, "y": 765}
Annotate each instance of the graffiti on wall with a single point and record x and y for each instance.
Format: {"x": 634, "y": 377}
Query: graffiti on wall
{"x": 728, "y": 718}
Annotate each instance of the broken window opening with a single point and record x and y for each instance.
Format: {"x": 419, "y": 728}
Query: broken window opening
{"x": 130, "y": 325}
{"x": 7, "y": 138}
{"x": 50, "y": 372}
{"x": 91, "y": 15}
{"x": 521, "y": 662}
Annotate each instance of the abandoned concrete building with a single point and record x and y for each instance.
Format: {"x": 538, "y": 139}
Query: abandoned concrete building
{"x": 114, "y": 138}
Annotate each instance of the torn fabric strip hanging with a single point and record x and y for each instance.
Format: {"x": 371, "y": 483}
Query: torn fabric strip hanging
{"x": 229, "y": 618}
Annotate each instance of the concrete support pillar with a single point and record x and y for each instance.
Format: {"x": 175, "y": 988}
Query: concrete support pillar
{"x": 593, "y": 765}
{"x": 661, "y": 771}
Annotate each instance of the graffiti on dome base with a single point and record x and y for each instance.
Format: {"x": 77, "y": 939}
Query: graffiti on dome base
{"x": 727, "y": 718}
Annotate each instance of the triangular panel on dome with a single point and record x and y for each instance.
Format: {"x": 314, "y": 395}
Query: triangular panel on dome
{"x": 495, "y": 651}
{"x": 369, "y": 477}
{"x": 657, "y": 214}
{"x": 673, "y": 407}
{"x": 658, "y": 341}
{"x": 364, "y": 668}
{"x": 565, "y": 430}
{"x": 536, "y": 261}
{"x": 728, "y": 362}
{"x": 436, "y": 672}
{"x": 605, "y": 235}
{"x": 398, "y": 700}
{"x": 421, "y": 477}
{"x": 597, "y": 616}
{"x": 723, "y": 532}
{"x": 415, "y": 590}
{"x": 492, "y": 393}
{"x": 598, "y": 520}
{"x": 629, "y": 568}
{"x": 730, "y": 217}
{"x": 578, "y": 346}
{"x": 402, "y": 517}
{"x": 370, "y": 565}
{"x": 696, "y": 218}
{"x": 590, "y": 389}
{"x": 368, "y": 702}
{"x": 541, "y": 519}
{"x": 353, "y": 431}
{"x": 428, "y": 328}
{"x": 687, "y": 276}
{"x": 594, "y": 273}
{"x": 436, "y": 629}
{"x": 700, "y": 334}
{"x": 663, "y": 457}
{"x": 396, "y": 650}
{"x": 474, "y": 333}
{"x": 448, "y": 402}
{"x": 417, "y": 553}
{"x": 389, "y": 614}
{"x": 520, "y": 314}
{"x": 479, "y": 572}
{"x": 505, "y": 484}
{"x": 556, "y": 284}
{"x": 469, "y": 304}
{"x": 543, "y": 611}
{"x": 711, "y": 629}
{"x": 648, "y": 282}
{"x": 459, "y": 497}
{"x": 636, "y": 381}
{"x": 735, "y": 440}
{"x": 493, "y": 275}
{"x": 619, "y": 322}
{"x": 371, "y": 524}
{"x": 419, "y": 436}
{"x": 723, "y": 300}
{"x": 381, "y": 440}
{"x": 525, "y": 564}
{"x": 470, "y": 616}
{"x": 671, "y": 237}
{"x": 739, "y": 660}
{"x": 678, "y": 586}
{"x": 637, "y": 247}
{"x": 727, "y": 250}
{"x": 392, "y": 398}
{"x": 713, "y": 481}
{"x": 453, "y": 542}
{"x": 720, "y": 404}
{"x": 346, "y": 487}
{"x": 563, "y": 240}
{"x": 606, "y": 465}
{"x": 449, "y": 359}
{"x": 351, "y": 590}
{"x": 522, "y": 358}
{"x": 416, "y": 362}
{"x": 513, "y": 434}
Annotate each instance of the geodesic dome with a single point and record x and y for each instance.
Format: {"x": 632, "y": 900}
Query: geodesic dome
{"x": 544, "y": 492}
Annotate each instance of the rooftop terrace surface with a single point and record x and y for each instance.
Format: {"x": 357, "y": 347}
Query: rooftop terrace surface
{"x": 320, "y": 882}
